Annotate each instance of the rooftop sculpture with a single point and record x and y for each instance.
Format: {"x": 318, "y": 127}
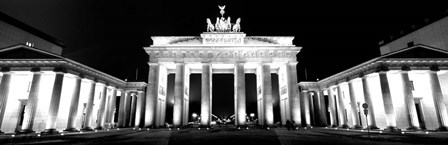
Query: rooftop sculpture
{"x": 222, "y": 24}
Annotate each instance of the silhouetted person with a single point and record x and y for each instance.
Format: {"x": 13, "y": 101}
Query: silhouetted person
{"x": 288, "y": 124}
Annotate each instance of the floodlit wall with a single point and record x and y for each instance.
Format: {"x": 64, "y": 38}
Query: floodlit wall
{"x": 12, "y": 35}
{"x": 377, "y": 100}
{"x": 435, "y": 35}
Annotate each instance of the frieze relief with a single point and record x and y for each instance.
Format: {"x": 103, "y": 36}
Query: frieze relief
{"x": 220, "y": 54}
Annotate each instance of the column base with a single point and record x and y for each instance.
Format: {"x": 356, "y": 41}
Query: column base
{"x": 87, "y": 129}
{"x": 323, "y": 125}
{"x": 357, "y": 127}
{"x": 373, "y": 127}
{"x": 392, "y": 129}
{"x": 442, "y": 128}
{"x": 50, "y": 131}
{"x": 334, "y": 125}
{"x": 99, "y": 128}
{"x": 1, "y": 132}
{"x": 71, "y": 130}
{"x": 344, "y": 126}
{"x": 26, "y": 131}
{"x": 413, "y": 128}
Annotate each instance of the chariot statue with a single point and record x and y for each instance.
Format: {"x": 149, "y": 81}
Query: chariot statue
{"x": 222, "y": 24}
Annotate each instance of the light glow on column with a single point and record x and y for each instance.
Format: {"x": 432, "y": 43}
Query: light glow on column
{"x": 68, "y": 86}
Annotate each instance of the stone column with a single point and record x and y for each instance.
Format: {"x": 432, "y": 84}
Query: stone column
{"x": 267, "y": 94}
{"x": 353, "y": 105}
{"x": 4, "y": 91}
{"x": 140, "y": 110}
{"x": 306, "y": 108}
{"x": 314, "y": 109}
{"x": 332, "y": 108}
{"x": 322, "y": 109}
{"x": 439, "y": 104}
{"x": 31, "y": 105}
{"x": 294, "y": 98}
{"x": 368, "y": 99}
{"x": 178, "y": 94}
{"x": 122, "y": 109}
{"x": 133, "y": 109}
{"x": 127, "y": 108}
{"x": 389, "y": 111}
{"x": 341, "y": 107}
{"x": 311, "y": 102}
{"x": 240, "y": 95}
{"x": 89, "y": 108}
{"x": 152, "y": 95}
{"x": 102, "y": 109}
{"x": 409, "y": 100}
{"x": 111, "y": 107}
{"x": 54, "y": 104}
{"x": 206, "y": 94}
{"x": 73, "y": 112}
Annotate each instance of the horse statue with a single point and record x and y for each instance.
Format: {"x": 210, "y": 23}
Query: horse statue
{"x": 210, "y": 27}
{"x": 237, "y": 26}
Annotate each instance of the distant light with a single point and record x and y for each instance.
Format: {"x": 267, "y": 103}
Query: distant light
{"x": 13, "y": 135}
{"x": 239, "y": 128}
{"x": 402, "y": 132}
{"x": 80, "y": 132}
{"x": 38, "y": 135}
{"x": 247, "y": 128}
{"x": 426, "y": 132}
{"x": 96, "y": 130}
{"x": 118, "y": 128}
{"x": 311, "y": 126}
{"x": 268, "y": 128}
{"x": 335, "y": 128}
{"x": 133, "y": 128}
{"x": 326, "y": 127}
{"x": 139, "y": 129}
{"x": 305, "y": 127}
{"x": 297, "y": 128}
{"x": 199, "y": 128}
{"x": 252, "y": 114}
{"x": 178, "y": 128}
{"x": 107, "y": 129}
{"x": 348, "y": 129}
{"x": 147, "y": 129}
{"x": 62, "y": 134}
{"x": 169, "y": 128}
{"x": 381, "y": 131}
{"x": 207, "y": 128}
{"x": 362, "y": 130}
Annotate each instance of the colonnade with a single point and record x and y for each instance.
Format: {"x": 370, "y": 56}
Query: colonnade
{"x": 96, "y": 112}
{"x": 156, "y": 96}
{"x": 345, "y": 97}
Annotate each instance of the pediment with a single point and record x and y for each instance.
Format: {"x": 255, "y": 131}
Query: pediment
{"x": 24, "y": 52}
{"x": 420, "y": 52}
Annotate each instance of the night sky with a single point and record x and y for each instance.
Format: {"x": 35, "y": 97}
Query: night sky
{"x": 109, "y": 36}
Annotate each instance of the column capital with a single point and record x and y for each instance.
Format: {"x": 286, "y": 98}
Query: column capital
{"x": 35, "y": 69}
{"x": 382, "y": 68}
{"x": 406, "y": 68}
{"x": 434, "y": 68}
{"x": 59, "y": 70}
{"x": 5, "y": 69}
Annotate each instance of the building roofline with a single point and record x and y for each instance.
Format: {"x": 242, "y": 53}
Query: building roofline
{"x": 12, "y": 21}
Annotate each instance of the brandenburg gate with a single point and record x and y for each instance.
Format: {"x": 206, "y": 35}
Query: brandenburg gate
{"x": 223, "y": 49}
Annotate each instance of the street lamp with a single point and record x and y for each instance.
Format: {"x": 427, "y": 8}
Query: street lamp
{"x": 194, "y": 115}
{"x": 252, "y": 115}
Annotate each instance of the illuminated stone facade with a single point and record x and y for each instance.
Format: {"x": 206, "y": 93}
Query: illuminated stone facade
{"x": 405, "y": 89}
{"x": 221, "y": 53}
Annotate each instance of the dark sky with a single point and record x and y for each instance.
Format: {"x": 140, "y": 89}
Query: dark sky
{"x": 109, "y": 36}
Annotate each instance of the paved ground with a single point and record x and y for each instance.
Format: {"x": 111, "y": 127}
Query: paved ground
{"x": 229, "y": 136}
